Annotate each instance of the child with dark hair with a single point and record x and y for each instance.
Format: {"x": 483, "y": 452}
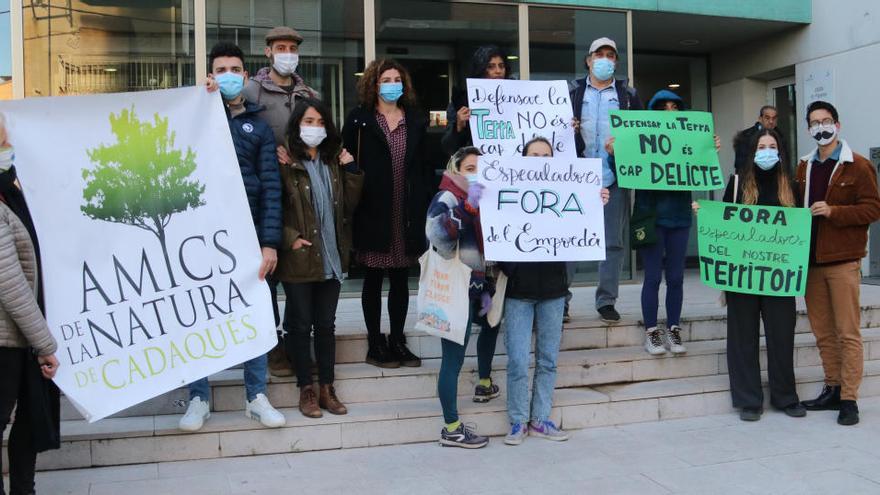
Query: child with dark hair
{"x": 322, "y": 186}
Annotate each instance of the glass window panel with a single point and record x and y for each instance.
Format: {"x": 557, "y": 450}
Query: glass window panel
{"x": 332, "y": 51}
{"x": 101, "y": 46}
{"x": 559, "y": 39}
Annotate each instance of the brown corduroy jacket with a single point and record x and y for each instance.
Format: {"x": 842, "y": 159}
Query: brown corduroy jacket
{"x": 854, "y": 201}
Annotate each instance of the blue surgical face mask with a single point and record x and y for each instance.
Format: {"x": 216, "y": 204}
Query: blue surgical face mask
{"x": 230, "y": 84}
{"x": 603, "y": 69}
{"x": 767, "y": 158}
{"x": 391, "y": 92}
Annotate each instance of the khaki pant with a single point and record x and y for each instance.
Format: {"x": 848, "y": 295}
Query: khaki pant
{"x": 833, "y": 308}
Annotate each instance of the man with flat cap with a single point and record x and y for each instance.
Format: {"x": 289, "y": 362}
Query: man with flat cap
{"x": 277, "y": 89}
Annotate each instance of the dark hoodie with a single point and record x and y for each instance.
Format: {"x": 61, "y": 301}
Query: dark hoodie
{"x": 452, "y": 140}
{"x": 673, "y": 208}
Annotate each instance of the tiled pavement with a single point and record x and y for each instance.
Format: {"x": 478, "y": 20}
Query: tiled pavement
{"x": 706, "y": 455}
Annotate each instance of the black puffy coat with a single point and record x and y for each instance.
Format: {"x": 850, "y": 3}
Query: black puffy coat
{"x": 258, "y": 161}
{"x": 365, "y": 140}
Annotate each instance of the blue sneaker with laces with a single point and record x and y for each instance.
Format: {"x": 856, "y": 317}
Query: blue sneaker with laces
{"x": 517, "y": 434}
{"x": 547, "y": 429}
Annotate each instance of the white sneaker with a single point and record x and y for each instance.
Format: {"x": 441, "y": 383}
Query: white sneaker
{"x": 196, "y": 413}
{"x": 672, "y": 340}
{"x": 261, "y": 410}
{"x": 654, "y": 341}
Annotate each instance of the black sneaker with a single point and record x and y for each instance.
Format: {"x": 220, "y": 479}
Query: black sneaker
{"x": 380, "y": 355}
{"x": 750, "y": 413}
{"x": 565, "y": 316}
{"x": 463, "y": 437}
{"x": 849, "y": 413}
{"x": 609, "y": 314}
{"x": 485, "y": 394}
{"x": 402, "y": 355}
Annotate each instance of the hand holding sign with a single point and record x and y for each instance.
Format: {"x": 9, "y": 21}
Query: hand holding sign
{"x": 754, "y": 249}
{"x": 665, "y": 150}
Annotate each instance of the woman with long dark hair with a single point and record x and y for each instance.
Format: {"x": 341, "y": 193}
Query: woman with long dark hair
{"x": 322, "y": 185}
{"x": 386, "y": 135}
{"x": 764, "y": 180}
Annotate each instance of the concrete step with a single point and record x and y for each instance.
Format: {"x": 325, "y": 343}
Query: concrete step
{"x": 147, "y": 439}
{"x": 361, "y": 383}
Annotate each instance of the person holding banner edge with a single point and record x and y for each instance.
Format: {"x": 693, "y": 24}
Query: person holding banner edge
{"x": 386, "y": 135}
{"x": 256, "y": 153}
{"x": 453, "y": 225}
{"x": 840, "y": 188}
{"x": 27, "y": 347}
{"x": 322, "y": 185}
{"x": 763, "y": 179}
{"x": 593, "y": 97}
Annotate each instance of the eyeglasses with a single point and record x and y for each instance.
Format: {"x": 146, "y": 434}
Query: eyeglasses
{"x": 817, "y": 123}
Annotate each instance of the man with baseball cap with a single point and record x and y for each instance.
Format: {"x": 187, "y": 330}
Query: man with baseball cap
{"x": 593, "y": 97}
{"x": 277, "y": 89}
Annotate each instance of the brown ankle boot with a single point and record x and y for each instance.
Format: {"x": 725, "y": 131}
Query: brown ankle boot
{"x": 308, "y": 403}
{"x": 330, "y": 402}
{"x": 279, "y": 365}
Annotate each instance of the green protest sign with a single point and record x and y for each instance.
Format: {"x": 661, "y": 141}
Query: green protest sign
{"x": 754, "y": 249}
{"x": 672, "y": 151}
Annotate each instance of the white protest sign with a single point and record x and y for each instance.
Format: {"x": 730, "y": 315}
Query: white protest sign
{"x": 506, "y": 114}
{"x": 542, "y": 209}
{"x": 149, "y": 252}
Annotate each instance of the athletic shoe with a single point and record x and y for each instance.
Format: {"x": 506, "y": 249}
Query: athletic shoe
{"x": 547, "y": 429}
{"x": 196, "y": 414}
{"x": 485, "y": 394}
{"x": 518, "y": 432}
{"x": 464, "y": 437}
{"x": 261, "y": 410}
{"x": 672, "y": 340}
{"x": 654, "y": 341}
{"x": 608, "y": 314}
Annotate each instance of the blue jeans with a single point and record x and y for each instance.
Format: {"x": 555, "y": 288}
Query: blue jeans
{"x": 517, "y": 325}
{"x": 254, "y": 380}
{"x": 616, "y": 220}
{"x": 673, "y": 244}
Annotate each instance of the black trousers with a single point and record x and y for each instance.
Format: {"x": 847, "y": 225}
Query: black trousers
{"x": 744, "y": 311}
{"x": 22, "y": 455}
{"x": 398, "y": 301}
{"x": 311, "y": 306}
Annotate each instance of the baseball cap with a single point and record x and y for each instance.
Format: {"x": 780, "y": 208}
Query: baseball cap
{"x": 599, "y": 43}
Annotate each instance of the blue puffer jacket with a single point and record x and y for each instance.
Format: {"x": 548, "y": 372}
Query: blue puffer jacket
{"x": 257, "y": 159}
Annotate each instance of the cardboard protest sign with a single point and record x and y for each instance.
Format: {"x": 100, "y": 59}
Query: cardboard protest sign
{"x": 754, "y": 249}
{"x": 506, "y": 114}
{"x": 672, "y": 151}
{"x": 542, "y": 209}
{"x": 149, "y": 252}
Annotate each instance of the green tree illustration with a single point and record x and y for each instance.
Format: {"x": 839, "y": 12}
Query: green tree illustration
{"x": 141, "y": 180}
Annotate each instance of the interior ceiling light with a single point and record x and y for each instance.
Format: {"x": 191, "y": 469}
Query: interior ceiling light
{"x": 512, "y": 57}
{"x": 674, "y": 86}
{"x": 110, "y": 69}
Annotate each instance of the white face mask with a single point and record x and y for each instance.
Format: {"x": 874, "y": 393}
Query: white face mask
{"x": 7, "y": 155}
{"x": 312, "y": 136}
{"x": 285, "y": 63}
{"x": 823, "y": 134}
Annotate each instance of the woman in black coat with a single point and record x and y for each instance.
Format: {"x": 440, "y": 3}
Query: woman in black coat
{"x": 386, "y": 135}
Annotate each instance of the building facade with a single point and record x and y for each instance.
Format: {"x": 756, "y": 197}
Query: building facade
{"x": 726, "y": 57}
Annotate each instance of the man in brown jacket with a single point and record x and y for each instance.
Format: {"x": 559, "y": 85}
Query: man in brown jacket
{"x": 840, "y": 188}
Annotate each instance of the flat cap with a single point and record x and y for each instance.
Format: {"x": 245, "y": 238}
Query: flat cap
{"x": 283, "y": 33}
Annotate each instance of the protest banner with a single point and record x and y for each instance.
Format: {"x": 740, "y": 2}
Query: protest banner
{"x": 149, "y": 252}
{"x": 754, "y": 249}
{"x": 672, "y": 151}
{"x": 542, "y": 209}
{"x": 506, "y": 114}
